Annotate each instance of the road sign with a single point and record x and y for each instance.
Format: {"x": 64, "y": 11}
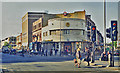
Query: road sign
{"x": 114, "y": 30}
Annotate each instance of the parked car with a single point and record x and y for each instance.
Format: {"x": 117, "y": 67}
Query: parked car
{"x": 116, "y": 53}
{"x": 34, "y": 52}
{"x": 5, "y": 49}
{"x": 19, "y": 51}
{"x": 13, "y": 51}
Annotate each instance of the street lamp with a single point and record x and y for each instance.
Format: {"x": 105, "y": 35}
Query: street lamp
{"x": 60, "y": 36}
{"x": 104, "y": 25}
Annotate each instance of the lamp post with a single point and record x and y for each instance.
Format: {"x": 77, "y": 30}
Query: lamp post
{"x": 60, "y": 37}
{"x": 104, "y": 25}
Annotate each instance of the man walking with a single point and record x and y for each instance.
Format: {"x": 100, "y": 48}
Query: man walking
{"x": 88, "y": 57}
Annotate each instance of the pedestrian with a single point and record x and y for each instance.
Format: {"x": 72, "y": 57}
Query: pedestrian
{"x": 46, "y": 52}
{"x": 78, "y": 56}
{"x": 66, "y": 52}
{"x": 53, "y": 51}
{"x": 62, "y": 53}
{"x": 88, "y": 57}
{"x": 75, "y": 52}
{"x": 23, "y": 52}
{"x": 104, "y": 57}
{"x": 29, "y": 52}
{"x": 50, "y": 52}
{"x": 42, "y": 52}
{"x": 56, "y": 52}
{"x": 75, "y": 60}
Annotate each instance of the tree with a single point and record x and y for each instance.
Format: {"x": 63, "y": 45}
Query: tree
{"x": 9, "y": 46}
{"x": 6, "y": 43}
{"x": 114, "y": 44}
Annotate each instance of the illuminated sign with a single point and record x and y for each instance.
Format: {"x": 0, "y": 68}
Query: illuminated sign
{"x": 65, "y": 13}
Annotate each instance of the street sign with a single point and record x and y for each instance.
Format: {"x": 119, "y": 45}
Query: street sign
{"x": 93, "y": 33}
{"x": 114, "y": 30}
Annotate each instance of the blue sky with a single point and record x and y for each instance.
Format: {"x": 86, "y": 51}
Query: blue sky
{"x": 12, "y": 13}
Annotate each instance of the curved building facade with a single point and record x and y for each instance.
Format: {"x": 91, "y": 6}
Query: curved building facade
{"x": 71, "y": 29}
{"x": 64, "y": 34}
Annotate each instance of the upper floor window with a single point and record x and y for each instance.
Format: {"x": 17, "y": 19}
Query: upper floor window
{"x": 53, "y": 32}
{"x": 83, "y": 32}
{"x": 34, "y": 27}
{"x": 66, "y": 31}
{"x": 39, "y": 24}
{"x": 46, "y": 34}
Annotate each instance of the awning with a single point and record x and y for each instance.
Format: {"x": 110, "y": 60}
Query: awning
{"x": 19, "y": 42}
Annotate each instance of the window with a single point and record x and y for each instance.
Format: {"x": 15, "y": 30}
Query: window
{"x": 53, "y": 32}
{"x": 83, "y": 32}
{"x": 34, "y": 27}
{"x": 39, "y": 24}
{"x": 46, "y": 34}
{"x": 66, "y": 31}
{"x": 40, "y": 35}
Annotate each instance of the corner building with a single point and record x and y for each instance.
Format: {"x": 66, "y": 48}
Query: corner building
{"x": 68, "y": 31}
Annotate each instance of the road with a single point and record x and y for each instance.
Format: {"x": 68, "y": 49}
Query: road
{"x": 51, "y": 66}
{"x": 38, "y": 63}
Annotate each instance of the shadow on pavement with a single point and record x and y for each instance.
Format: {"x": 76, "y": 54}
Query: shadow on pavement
{"x": 36, "y": 59}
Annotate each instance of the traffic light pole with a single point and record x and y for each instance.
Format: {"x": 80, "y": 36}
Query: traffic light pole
{"x": 93, "y": 51}
{"x": 112, "y": 63}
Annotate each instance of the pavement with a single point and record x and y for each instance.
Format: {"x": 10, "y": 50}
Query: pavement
{"x": 105, "y": 64}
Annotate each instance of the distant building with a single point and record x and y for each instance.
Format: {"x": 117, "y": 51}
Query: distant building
{"x": 11, "y": 40}
{"x": 99, "y": 40}
{"x": 19, "y": 41}
{"x": 27, "y": 21}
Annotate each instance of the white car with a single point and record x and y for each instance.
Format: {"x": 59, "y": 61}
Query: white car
{"x": 34, "y": 52}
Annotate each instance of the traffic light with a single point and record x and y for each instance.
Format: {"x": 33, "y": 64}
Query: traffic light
{"x": 114, "y": 30}
{"x": 108, "y": 35}
{"x": 93, "y": 33}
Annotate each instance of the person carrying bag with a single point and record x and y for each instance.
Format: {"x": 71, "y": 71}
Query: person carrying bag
{"x": 78, "y": 56}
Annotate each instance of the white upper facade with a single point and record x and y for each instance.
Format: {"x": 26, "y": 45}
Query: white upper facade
{"x": 71, "y": 29}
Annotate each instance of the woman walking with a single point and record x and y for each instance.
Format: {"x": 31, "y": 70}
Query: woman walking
{"x": 78, "y": 56}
